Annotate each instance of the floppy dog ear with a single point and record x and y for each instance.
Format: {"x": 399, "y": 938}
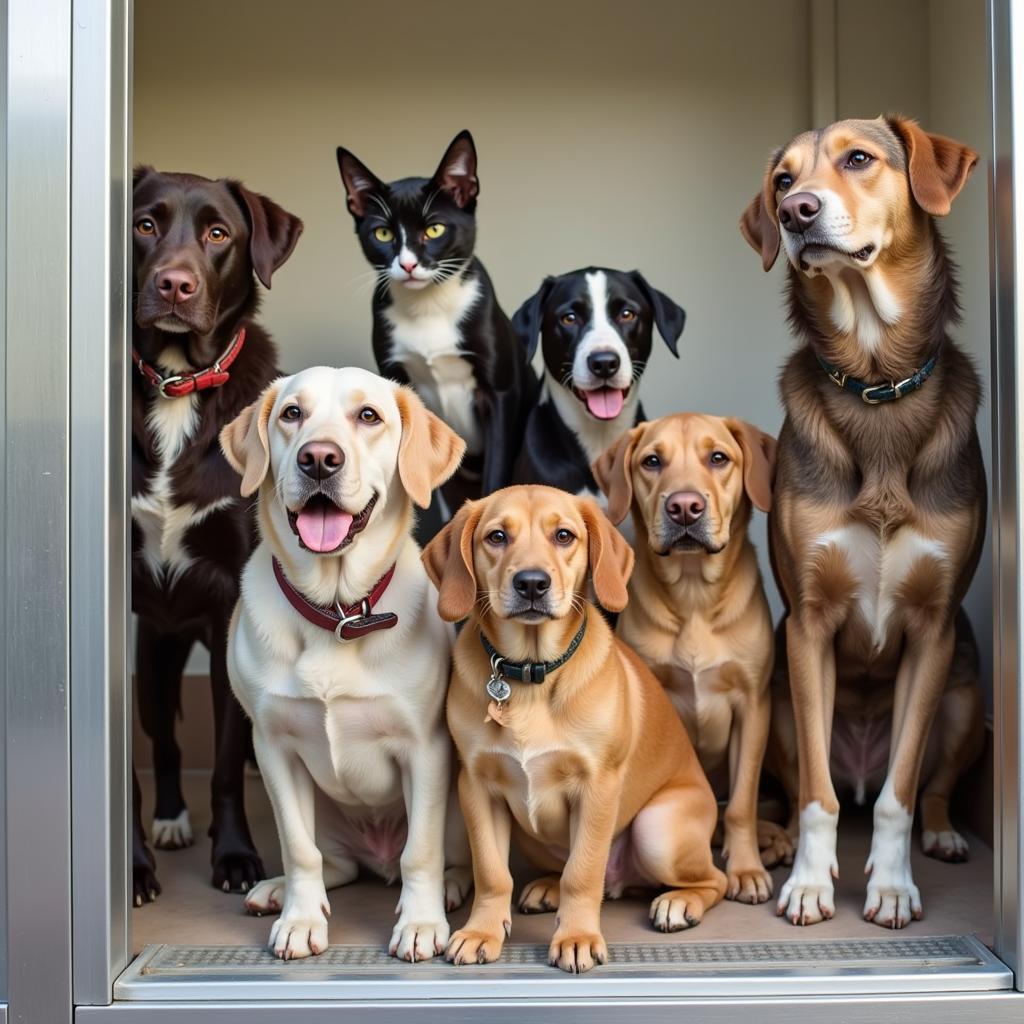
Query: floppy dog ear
{"x": 448, "y": 559}
{"x": 359, "y": 181}
{"x": 758, "y": 461}
{"x": 456, "y": 173}
{"x": 527, "y": 319}
{"x": 139, "y": 173}
{"x": 760, "y": 231}
{"x": 669, "y": 317}
{"x": 273, "y": 232}
{"x": 611, "y": 558}
{"x": 936, "y": 166}
{"x": 245, "y": 440}
{"x": 430, "y": 450}
{"x": 615, "y": 477}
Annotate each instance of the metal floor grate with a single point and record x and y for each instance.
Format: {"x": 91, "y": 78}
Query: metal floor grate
{"x": 957, "y": 963}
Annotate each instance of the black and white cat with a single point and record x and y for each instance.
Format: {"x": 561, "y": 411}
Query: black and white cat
{"x": 437, "y": 324}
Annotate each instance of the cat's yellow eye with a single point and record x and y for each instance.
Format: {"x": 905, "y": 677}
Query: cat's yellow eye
{"x": 383, "y": 234}
{"x": 434, "y": 230}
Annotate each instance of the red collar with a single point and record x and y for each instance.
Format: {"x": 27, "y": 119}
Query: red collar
{"x": 180, "y": 384}
{"x": 348, "y": 623}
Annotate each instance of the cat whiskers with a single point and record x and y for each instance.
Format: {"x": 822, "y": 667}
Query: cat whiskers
{"x": 384, "y": 206}
{"x": 446, "y": 269}
{"x": 430, "y": 199}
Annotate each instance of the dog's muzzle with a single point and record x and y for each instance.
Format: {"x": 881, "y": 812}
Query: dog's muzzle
{"x": 324, "y": 527}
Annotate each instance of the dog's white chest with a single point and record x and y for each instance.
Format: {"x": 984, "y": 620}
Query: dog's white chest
{"x": 880, "y": 569}
{"x": 426, "y": 338}
{"x": 163, "y": 523}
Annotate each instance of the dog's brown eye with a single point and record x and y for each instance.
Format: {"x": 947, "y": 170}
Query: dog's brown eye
{"x": 498, "y": 538}
{"x": 145, "y": 226}
{"x": 368, "y": 415}
{"x": 719, "y": 458}
{"x": 627, "y": 316}
{"x": 218, "y": 234}
{"x": 291, "y": 413}
{"x": 564, "y": 536}
{"x": 858, "y": 158}
{"x": 651, "y": 462}
{"x": 783, "y": 182}
{"x": 568, "y": 319}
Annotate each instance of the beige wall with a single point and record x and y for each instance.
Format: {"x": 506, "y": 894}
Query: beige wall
{"x": 629, "y": 135}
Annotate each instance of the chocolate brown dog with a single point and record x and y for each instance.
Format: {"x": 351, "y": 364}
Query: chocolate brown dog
{"x": 879, "y": 500}
{"x": 200, "y": 359}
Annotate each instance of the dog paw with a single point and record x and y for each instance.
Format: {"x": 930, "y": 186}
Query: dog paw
{"x": 676, "y": 911}
{"x": 296, "y": 936}
{"x": 237, "y": 870}
{"x": 892, "y": 904}
{"x": 458, "y": 882}
{"x": 173, "y": 833}
{"x": 577, "y": 953}
{"x": 806, "y": 901}
{"x": 540, "y": 896}
{"x": 748, "y": 883}
{"x": 145, "y": 887}
{"x": 413, "y": 941}
{"x": 775, "y": 844}
{"x": 266, "y": 897}
{"x": 471, "y": 946}
{"x": 948, "y": 845}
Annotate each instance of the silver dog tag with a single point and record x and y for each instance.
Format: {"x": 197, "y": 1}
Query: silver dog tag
{"x": 498, "y": 689}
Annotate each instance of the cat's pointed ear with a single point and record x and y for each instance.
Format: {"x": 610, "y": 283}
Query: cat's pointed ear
{"x": 360, "y": 182}
{"x": 456, "y": 173}
{"x": 669, "y": 317}
{"x": 529, "y": 316}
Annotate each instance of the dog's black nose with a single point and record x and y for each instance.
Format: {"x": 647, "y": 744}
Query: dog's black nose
{"x": 176, "y": 285}
{"x": 685, "y": 507}
{"x": 798, "y": 212}
{"x": 603, "y": 364}
{"x": 320, "y": 459}
{"x": 531, "y": 583}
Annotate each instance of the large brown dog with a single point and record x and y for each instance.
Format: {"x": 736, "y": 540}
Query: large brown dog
{"x": 697, "y": 611}
{"x": 879, "y": 503}
{"x": 589, "y": 766}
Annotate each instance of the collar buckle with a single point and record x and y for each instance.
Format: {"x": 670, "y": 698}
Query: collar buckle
{"x": 838, "y": 378}
{"x": 166, "y": 382}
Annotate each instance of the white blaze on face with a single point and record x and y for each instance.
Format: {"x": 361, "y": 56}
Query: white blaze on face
{"x": 418, "y": 276}
{"x": 604, "y": 396}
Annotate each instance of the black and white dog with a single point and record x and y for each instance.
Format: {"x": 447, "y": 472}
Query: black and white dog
{"x": 595, "y": 327}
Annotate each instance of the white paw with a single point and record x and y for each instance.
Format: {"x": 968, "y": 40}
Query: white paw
{"x": 173, "y": 833}
{"x": 949, "y": 846}
{"x": 457, "y": 883}
{"x": 809, "y": 894}
{"x": 892, "y": 904}
{"x": 418, "y": 940}
{"x": 893, "y": 900}
{"x": 301, "y": 930}
{"x": 266, "y": 897}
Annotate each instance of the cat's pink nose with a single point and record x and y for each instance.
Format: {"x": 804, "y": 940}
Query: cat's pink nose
{"x": 408, "y": 265}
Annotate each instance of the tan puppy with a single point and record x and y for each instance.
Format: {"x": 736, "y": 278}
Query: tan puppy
{"x": 590, "y": 768}
{"x": 697, "y": 612}
{"x": 337, "y": 655}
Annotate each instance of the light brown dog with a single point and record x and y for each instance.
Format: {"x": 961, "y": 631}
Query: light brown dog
{"x": 879, "y": 507}
{"x": 590, "y": 768}
{"x": 697, "y": 611}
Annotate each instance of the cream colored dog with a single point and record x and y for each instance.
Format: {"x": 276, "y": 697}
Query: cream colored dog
{"x": 342, "y": 668}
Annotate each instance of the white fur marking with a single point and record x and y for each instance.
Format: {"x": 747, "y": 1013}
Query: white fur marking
{"x": 173, "y": 833}
{"x": 892, "y": 898}
{"x": 809, "y": 894}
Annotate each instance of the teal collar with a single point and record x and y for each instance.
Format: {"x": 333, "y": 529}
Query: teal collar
{"x": 875, "y": 394}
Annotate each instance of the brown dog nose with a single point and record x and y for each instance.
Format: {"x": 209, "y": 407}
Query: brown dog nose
{"x": 176, "y": 284}
{"x": 320, "y": 459}
{"x": 685, "y": 507}
{"x": 531, "y": 583}
{"x": 798, "y": 212}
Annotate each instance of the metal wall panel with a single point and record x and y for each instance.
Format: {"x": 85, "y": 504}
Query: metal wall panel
{"x": 99, "y": 495}
{"x": 36, "y": 522}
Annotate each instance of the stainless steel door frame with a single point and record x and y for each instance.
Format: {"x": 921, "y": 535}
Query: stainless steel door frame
{"x": 37, "y": 508}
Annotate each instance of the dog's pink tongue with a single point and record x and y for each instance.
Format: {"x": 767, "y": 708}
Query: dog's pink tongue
{"x": 605, "y": 403}
{"x": 323, "y": 527}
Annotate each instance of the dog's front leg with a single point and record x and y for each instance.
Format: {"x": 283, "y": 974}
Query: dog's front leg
{"x": 749, "y": 882}
{"x": 422, "y": 928}
{"x": 809, "y": 894}
{"x": 489, "y": 824}
{"x": 301, "y": 930}
{"x": 892, "y": 897}
{"x": 578, "y": 943}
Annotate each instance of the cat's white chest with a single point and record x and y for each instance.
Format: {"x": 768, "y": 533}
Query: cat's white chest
{"x": 426, "y": 338}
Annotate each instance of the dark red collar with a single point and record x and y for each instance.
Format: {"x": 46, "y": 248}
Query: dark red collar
{"x": 180, "y": 384}
{"x": 346, "y": 623}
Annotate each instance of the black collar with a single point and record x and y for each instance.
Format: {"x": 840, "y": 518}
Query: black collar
{"x": 875, "y": 394}
{"x": 530, "y": 671}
